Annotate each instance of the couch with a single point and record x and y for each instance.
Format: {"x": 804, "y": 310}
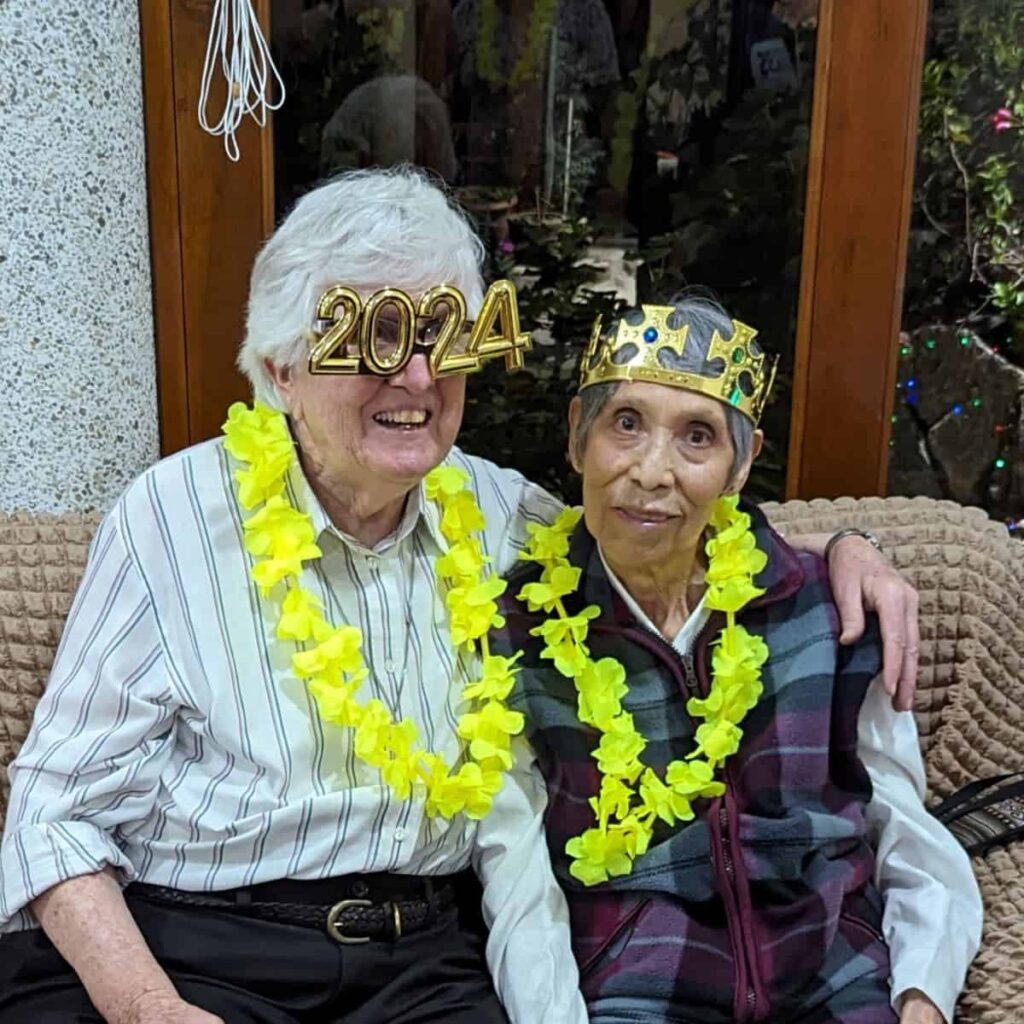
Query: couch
{"x": 969, "y": 705}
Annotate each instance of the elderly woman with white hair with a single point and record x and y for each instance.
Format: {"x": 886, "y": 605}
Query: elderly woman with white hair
{"x": 735, "y": 810}
{"x": 274, "y": 776}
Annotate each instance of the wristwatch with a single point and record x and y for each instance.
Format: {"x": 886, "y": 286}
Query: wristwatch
{"x": 852, "y": 532}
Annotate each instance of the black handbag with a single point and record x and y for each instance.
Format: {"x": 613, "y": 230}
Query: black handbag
{"x": 985, "y": 814}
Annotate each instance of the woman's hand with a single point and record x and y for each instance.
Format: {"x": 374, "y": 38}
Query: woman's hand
{"x": 863, "y": 580}
{"x": 917, "y": 1008}
{"x": 162, "y": 1007}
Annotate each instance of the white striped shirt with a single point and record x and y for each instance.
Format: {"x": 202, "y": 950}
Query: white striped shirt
{"x": 174, "y": 743}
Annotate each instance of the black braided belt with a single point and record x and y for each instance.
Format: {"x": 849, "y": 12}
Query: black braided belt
{"x": 350, "y": 920}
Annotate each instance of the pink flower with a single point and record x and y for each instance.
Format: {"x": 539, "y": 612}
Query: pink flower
{"x": 1002, "y": 119}
{"x": 506, "y": 246}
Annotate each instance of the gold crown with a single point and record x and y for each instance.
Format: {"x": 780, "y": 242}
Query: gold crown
{"x": 651, "y": 349}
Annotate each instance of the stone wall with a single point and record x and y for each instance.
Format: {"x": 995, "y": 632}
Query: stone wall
{"x": 78, "y": 411}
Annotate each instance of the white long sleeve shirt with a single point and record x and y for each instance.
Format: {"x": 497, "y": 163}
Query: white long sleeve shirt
{"x": 933, "y": 910}
{"x": 174, "y": 743}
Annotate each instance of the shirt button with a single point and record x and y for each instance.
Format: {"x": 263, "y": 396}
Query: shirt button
{"x": 389, "y": 666}
{"x": 400, "y": 834}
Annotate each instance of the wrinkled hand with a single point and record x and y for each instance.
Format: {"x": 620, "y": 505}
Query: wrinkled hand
{"x": 164, "y": 1008}
{"x": 863, "y": 580}
{"x": 917, "y": 1008}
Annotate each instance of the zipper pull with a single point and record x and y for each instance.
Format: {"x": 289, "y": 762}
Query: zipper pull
{"x": 690, "y": 672}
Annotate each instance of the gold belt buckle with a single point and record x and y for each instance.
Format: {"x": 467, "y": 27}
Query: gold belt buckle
{"x": 334, "y": 922}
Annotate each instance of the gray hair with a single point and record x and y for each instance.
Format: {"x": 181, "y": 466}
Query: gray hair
{"x": 365, "y": 229}
{"x": 705, "y": 316}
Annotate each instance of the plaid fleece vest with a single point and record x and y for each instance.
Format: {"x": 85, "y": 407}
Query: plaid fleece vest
{"x": 765, "y": 900}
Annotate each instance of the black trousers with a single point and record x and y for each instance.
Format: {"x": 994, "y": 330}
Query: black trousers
{"x": 249, "y": 971}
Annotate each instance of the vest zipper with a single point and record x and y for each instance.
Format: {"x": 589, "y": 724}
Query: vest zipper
{"x": 690, "y": 671}
{"x": 731, "y": 905}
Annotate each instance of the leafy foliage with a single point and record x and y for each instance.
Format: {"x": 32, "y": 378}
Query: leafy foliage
{"x": 520, "y": 419}
{"x": 967, "y": 249}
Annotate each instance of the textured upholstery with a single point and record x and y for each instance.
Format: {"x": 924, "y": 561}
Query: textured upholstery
{"x": 970, "y": 700}
{"x": 41, "y": 563}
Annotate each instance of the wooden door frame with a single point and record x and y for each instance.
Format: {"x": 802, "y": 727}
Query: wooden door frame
{"x": 208, "y": 217}
{"x": 867, "y": 92}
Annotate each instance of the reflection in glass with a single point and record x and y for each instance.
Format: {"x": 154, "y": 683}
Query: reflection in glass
{"x": 957, "y": 419}
{"x": 610, "y": 151}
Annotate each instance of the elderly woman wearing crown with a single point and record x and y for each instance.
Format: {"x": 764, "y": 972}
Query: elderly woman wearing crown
{"x": 735, "y": 809}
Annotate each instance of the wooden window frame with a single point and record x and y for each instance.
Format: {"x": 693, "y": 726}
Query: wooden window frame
{"x": 208, "y": 217}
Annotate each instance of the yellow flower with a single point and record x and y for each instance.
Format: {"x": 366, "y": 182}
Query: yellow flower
{"x": 569, "y": 627}
{"x": 400, "y": 772}
{"x": 662, "y": 801}
{"x": 339, "y": 651}
{"x": 471, "y": 789}
{"x": 248, "y": 432}
{"x": 550, "y": 544}
{"x": 263, "y": 480}
{"x": 278, "y": 526}
{"x": 613, "y": 801}
{"x": 497, "y": 679}
{"x": 570, "y": 659}
{"x": 693, "y": 779}
{"x": 725, "y": 513}
{"x": 337, "y": 702}
{"x": 282, "y": 539}
{"x": 620, "y": 748}
{"x": 473, "y": 611}
{"x": 742, "y": 558}
{"x": 731, "y": 595}
{"x": 433, "y": 773}
{"x": 601, "y": 686}
{"x": 259, "y": 437}
{"x": 372, "y": 734}
{"x": 567, "y": 519}
{"x": 636, "y": 835}
{"x": 597, "y": 855}
{"x": 301, "y": 617}
{"x": 737, "y": 683}
{"x": 719, "y": 739}
{"x": 444, "y": 482}
{"x": 461, "y": 516}
{"x": 490, "y": 732}
{"x": 554, "y": 585}
{"x": 480, "y": 787}
{"x": 464, "y": 561}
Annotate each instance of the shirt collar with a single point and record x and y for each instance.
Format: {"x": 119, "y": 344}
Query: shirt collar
{"x": 683, "y": 640}
{"x": 417, "y": 509}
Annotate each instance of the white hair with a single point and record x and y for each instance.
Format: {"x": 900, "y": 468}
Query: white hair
{"x": 365, "y": 229}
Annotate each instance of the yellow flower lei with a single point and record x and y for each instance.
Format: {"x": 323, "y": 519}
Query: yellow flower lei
{"x": 632, "y": 797}
{"x": 281, "y": 540}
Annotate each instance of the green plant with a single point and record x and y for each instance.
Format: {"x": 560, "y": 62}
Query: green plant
{"x": 520, "y": 419}
{"x": 967, "y": 246}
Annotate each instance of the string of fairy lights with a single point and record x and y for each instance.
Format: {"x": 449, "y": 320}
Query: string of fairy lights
{"x": 910, "y": 389}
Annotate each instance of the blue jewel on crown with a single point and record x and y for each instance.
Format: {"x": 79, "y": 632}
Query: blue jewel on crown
{"x": 651, "y": 335}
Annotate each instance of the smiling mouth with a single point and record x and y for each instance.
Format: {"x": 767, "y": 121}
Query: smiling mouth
{"x": 403, "y": 419}
{"x": 644, "y": 517}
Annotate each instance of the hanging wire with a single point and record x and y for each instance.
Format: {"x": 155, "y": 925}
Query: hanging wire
{"x": 248, "y": 69}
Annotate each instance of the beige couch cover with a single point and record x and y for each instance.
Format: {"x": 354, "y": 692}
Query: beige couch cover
{"x": 970, "y": 701}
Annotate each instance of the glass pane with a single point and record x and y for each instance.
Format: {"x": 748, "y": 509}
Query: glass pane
{"x": 957, "y": 420}
{"x": 610, "y": 151}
